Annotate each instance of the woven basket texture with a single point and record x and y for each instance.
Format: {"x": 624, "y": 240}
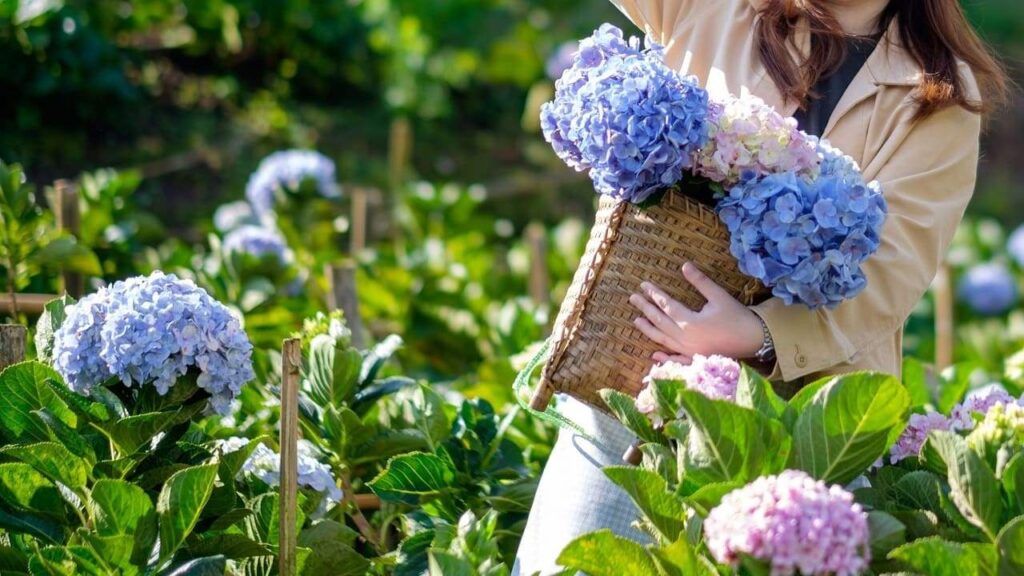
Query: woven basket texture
{"x": 594, "y": 342}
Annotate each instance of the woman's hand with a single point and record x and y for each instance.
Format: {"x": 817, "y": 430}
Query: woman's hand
{"x": 723, "y": 326}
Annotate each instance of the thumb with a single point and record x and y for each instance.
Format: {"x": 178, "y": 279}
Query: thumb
{"x": 706, "y": 286}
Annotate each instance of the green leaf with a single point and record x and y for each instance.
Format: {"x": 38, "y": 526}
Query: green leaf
{"x": 66, "y": 252}
{"x": 709, "y": 496}
{"x": 231, "y": 546}
{"x": 937, "y": 557}
{"x": 886, "y": 533}
{"x": 680, "y": 559}
{"x": 116, "y": 551}
{"x": 847, "y": 425}
{"x": 424, "y": 409}
{"x": 53, "y": 561}
{"x": 956, "y": 381}
{"x": 119, "y": 507}
{"x": 1013, "y": 482}
{"x": 232, "y": 462}
{"x": 1010, "y": 545}
{"x": 59, "y": 432}
{"x": 755, "y": 392}
{"x": 48, "y": 324}
{"x": 661, "y": 460}
{"x": 919, "y": 490}
{"x": 32, "y": 525}
{"x": 367, "y": 397}
{"x": 602, "y": 553}
{"x": 973, "y": 486}
{"x": 915, "y": 380}
{"x": 52, "y": 460}
{"x": 131, "y": 433}
{"x": 180, "y": 503}
{"x": 25, "y": 489}
{"x": 445, "y": 564}
{"x": 624, "y": 408}
{"x": 23, "y": 389}
{"x": 730, "y": 443}
{"x": 333, "y": 553}
{"x": 663, "y": 508}
{"x": 418, "y": 474}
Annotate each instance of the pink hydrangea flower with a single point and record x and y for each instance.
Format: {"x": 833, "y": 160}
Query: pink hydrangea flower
{"x": 713, "y": 376}
{"x": 793, "y": 522}
{"x": 979, "y": 403}
{"x": 747, "y": 135}
{"x": 913, "y": 437}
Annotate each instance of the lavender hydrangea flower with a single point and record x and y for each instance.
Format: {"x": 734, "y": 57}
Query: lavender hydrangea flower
{"x": 989, "y": 289}
{"x": 265, "y": 464}
{"x": 258, "y": 242}
{"x": 152, "y": 330}
{"x": 622, "y": 114}
{"x": 233, "y": 215}
{"x": 746, "y": 136}
{"x": 287, "y": 170}
{"x": 793, "y": 522}
{"x": 806, "y": 238}
{"x": 561, "y": 60}
{"x": 913, "y": 437}
{"x": 978, "y": 402}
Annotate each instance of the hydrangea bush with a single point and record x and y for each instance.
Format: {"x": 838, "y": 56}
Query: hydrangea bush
{"x": 988, "y": 289}
{"x": 620, "y": 113}
{"x": 152, "y": 331}
{"x": 286, "y": 170}
{"x": 258, "y": 242}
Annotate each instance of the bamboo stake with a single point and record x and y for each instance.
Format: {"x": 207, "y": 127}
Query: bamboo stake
{"x": 357, "y": 237}
{"x": 69, "y": 220}
{"x": 539, "y": 281}
{"x": 27, "y": 303}
{"x": 291, "y": 362}
{"x": 342, "y": 296}
{"x": 399, "y": 152}
{"x": 944, "y": 320}
{"x": 12, "y": 344}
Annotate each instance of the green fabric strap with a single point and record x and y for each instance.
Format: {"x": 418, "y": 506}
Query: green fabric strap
{"x": 521, "y": 390}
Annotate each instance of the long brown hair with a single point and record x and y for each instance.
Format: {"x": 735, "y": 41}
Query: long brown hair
{"x": 936, "y": 33}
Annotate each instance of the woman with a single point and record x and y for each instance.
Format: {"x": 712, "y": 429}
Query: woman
{"x": 900, "y": 85}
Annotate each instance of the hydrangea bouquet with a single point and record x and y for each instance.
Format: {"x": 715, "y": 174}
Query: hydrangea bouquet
{"x": 801, "y": 218}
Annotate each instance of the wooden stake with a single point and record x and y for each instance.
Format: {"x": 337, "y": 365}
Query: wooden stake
{"x": 399, "y": 151}
{"x": 69, "y": 220}
{"x": 944, "y": 318}
{"x": 291, "y": 363}
{"x": 12, "y": 344}
{"x": 27, "y": 303}
{"x": 343, "y": 296}
{"x": 357, "y": 233}
{"x": 539, "y": 282}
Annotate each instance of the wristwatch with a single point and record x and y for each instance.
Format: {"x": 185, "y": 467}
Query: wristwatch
{"x": 766, "y": 354}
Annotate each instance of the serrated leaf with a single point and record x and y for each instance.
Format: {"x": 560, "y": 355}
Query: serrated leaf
{"x": 1010, "y": 545}
{"x": 755, "y": 392}
{"x": 666, "y": 511}
{"x": 131, "y": 433}
{"x": 334, "y": 556}
{"x": 365, "y": 398}
{"x": 52, "y": 460}
{"x": 23, "y": 389}
{"x": 49, "y": 322}
{"x": 920, "y": 490}
{"x": 416, "y": 474}
{"x": 730, "y": 443}
{"x": 1013, "y": 482}
{"x": 23, "y": 523}
{"x": 603, "y": 553}
{"x": 442, "y": 563}
{"x": 847, "y": 425}
{"x": 209, "y": 566}
{"x": 973, "y": 486}
{"x": 624, "y": 408}
{"x": 180, "y": 504}
{"x": 231, "y": 546}
{"x": 886, "y": 533}
{"x": 25, "y": 489}
{"x": 936, "y": 557}
{"x": 119, "y": 507}
{"x": 710, "y": 495}
{"x": 680, "y": 559}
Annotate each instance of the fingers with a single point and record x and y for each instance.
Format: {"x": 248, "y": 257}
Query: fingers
{"x": 662, "y": 357}
{"x": 706, "y": 286}
{"x": 654, "y": 334}
{"x": 669, "y": 305}
{"x": 655, "y": 315}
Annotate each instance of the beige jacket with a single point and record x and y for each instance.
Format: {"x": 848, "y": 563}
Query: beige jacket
{"x": 927, "y": 170}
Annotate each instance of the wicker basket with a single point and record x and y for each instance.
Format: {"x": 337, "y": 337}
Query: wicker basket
{"x": 595, "y": 344}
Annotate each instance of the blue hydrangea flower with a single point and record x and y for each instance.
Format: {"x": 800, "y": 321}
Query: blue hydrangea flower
{"x": 287, "y": 170}
{"x": 1015, "y": 245}
{"x": 151, "y": 330}
{"x": 806, "y": 238}
{"x": 257, "y": 241}
{"x": 233, "y": 215}
{"x": 561, "y": 60}
{"x": 265, "y": 464}
{"x": 989, "y": 289}
{"x": 622, "y": 114}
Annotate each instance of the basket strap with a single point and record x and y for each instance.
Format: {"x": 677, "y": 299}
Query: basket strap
{"x": 521, "y": 390}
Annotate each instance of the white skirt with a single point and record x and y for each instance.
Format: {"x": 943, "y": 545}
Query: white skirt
{"x": 574, "y": 496}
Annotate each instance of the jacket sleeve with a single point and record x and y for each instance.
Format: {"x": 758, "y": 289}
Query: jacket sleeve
{"x": 927, "y": 181}
{"x": 657, "y": 18}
